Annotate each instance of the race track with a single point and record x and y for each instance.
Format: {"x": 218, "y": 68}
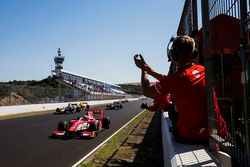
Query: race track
{"x": 25, "y": 141}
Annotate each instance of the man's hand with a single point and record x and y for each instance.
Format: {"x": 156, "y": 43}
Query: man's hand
{"x": 139, "y": 61}
{"x": 144, "y": 106}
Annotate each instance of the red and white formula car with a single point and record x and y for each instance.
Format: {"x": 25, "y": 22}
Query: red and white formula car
{"x": 87, "y": 126}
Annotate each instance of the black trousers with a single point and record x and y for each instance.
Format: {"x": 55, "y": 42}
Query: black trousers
{"x": 184, "y": 140}
{"x": 173, "y": 116}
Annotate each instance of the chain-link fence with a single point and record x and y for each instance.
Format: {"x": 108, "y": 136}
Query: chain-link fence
{"x": 224, "y": 50}
{"x": 19, "y": 95}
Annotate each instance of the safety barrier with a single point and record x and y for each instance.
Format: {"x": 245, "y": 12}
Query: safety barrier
{"x": 178, "y": 154}
{"x": 18, "y": 109}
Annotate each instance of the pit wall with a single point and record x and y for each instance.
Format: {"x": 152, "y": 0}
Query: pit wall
{"x": 178, "y": 154}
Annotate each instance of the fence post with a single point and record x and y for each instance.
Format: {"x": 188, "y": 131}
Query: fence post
{"x": 208, "y": 67}
{"x": 9, "y": 90}
{"x": 245, "y": 70}
{"x": 59, "y": 91}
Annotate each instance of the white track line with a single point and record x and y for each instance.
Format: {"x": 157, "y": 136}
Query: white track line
{"x": 91, "y": 152}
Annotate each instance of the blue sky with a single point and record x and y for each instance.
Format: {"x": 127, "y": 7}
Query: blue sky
{"x": 97, "y": 37}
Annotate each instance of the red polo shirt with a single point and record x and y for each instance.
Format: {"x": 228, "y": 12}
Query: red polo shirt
{"x": 188, "y": 89}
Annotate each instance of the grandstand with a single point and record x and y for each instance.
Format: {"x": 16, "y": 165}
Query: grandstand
{"x": 86, "y": 84}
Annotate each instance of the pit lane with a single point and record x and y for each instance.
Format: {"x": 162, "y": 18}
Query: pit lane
{"x": 25, "y": 141}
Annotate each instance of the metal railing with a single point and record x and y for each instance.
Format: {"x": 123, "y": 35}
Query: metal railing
{"x": 223, "y": 42}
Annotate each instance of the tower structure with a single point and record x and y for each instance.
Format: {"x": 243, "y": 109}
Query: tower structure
{"x": 58, "y": 63}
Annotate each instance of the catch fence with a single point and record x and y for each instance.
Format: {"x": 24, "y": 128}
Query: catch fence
{"x": 223, "y": 43}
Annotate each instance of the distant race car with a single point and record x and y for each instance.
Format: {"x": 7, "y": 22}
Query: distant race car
{"x": 71, "y": 108}
{"x": 84, "y": 106}
{"x": 124, "y": 101}
{"x": 87, "y": 126}
{"x": 116, "y": 105}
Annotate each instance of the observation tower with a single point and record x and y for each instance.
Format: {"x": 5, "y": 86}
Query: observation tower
{"x": 58, "y": 63}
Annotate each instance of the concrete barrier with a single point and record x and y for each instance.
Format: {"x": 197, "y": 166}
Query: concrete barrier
{"x": 18, "y": 109}
{"x": 178, "y": 154}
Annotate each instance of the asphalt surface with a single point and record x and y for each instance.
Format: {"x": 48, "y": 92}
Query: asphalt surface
{"x": 25, "y": 141}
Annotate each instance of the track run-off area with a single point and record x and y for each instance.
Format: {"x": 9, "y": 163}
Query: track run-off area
{"x": 26, "y": 141}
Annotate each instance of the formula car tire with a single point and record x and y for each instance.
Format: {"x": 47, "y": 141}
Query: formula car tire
{"x": 106, "y": 122}
{"x": 62, "y": 126}
{"x": 92, "y": 127}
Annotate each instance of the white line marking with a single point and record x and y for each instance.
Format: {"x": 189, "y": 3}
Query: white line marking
{"x": 94, "y": 150}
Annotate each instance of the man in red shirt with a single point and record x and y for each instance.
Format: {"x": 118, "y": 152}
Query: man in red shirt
{"x": 187, "y": 87}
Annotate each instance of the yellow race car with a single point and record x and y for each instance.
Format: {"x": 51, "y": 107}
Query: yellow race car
{"x": 84, "y": 106}
{"x": 70, "y": 109}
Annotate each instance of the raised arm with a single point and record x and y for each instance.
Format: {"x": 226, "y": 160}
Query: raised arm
{"x": 147, "y": 88}
{"x": 153, "y": 73}
{"x": 140, "y": 63}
